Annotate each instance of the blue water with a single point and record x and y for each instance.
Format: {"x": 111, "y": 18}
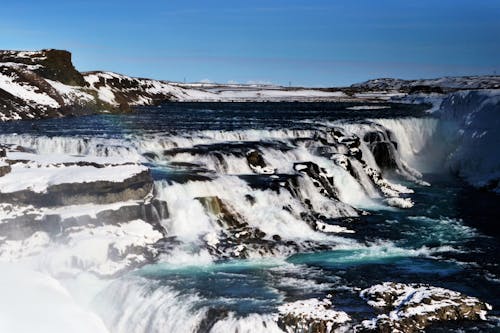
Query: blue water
{"x": 179, "y": 117}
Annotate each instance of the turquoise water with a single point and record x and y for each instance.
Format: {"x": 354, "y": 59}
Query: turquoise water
{"x": 434, "y": 242}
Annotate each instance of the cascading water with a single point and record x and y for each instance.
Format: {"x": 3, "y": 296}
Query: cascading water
{"x": 255, "y": 213}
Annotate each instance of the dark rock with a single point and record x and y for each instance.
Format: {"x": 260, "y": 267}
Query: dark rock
{"x": 250, "y": 198}
{"x": 255, "y": 159}
{"x": 150, "y": 155}
{"x": 55, "y": 65}
{"x": 225, "y": 216}
{"x": 383, "y": 147}
{"x": 211, "y": 317}
{"x": 384, "y": 154}
{"x": 372, "y": 137}
{"x": 423, "y": 89}
{"x": 4, "y": 169}
{"x": 23, "y": 226}
{"x": 319, "y": 177}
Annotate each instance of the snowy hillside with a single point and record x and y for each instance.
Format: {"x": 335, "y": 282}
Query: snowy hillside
{"x": 444, "y": 84}
{"x": 40, "y": 84}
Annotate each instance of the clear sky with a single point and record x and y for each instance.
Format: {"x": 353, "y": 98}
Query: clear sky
{"x": 307, "y": 42}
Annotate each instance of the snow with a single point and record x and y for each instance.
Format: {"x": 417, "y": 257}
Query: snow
{"x": 55, "y": 158}
{"x": 14, "y": 250}
{"x": 86, "y": 249}
{"x": 106, "y": 94}
{"x": 38, "y": 179}
{"x": 458, "y": 82}
{"x": 380, "y": 95}
{"x": 26, "y": 92}
{"x": 9, "y": 211}
{"x": 91, "y": 79}
{"x": 70, "y": 94}
{"x": 314, "y": 310}
{"x": 90, "y": 210}
{"x": 20, "y": 65}
{"x": 147, "y": 88}
{"x": 400, "y": 202}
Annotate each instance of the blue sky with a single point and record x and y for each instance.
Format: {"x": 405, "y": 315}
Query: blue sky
{"x": 311, "y": 43}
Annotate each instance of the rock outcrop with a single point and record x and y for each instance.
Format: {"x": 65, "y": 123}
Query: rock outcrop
{"x": 311, "y": 315}
{"x": 101, "y": 212}
{"x": 51, "y": 64}
{"x": 412, "y": 307}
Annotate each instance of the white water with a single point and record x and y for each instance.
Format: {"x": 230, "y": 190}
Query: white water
{"x": 134, "y": 304}
{"x": 138, "y": 305}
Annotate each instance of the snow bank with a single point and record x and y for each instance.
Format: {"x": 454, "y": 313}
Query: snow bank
{"x": 38, "y": 179}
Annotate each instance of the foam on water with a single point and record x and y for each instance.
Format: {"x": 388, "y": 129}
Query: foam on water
{"x": 379, "y": 252}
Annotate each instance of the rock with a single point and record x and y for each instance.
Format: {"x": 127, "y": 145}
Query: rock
{"x": 257, "y": 163}
{"x": 255, "y": 159}
{"x": 103, "y": 192}
{"x": 319, "y": 177}
{"x": 236, "y": 238}
{"x": 225, "y": 216}
{"x": 383, "y": 149}
{"x": 384, "y": 155}
{"x": 52, "y": 64}
{"x": 4, "y": 169}
{"x": 212, "y": 316}
{"x": 23, "y": 226}
{"x": 412, "y": 307}
{"x": 311, "y": 315}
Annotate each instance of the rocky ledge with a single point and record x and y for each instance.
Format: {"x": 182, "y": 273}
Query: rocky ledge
{"x": 95, "y": 214}
{"x": 412, "y": 307}
{"x": 311, "y": 315}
